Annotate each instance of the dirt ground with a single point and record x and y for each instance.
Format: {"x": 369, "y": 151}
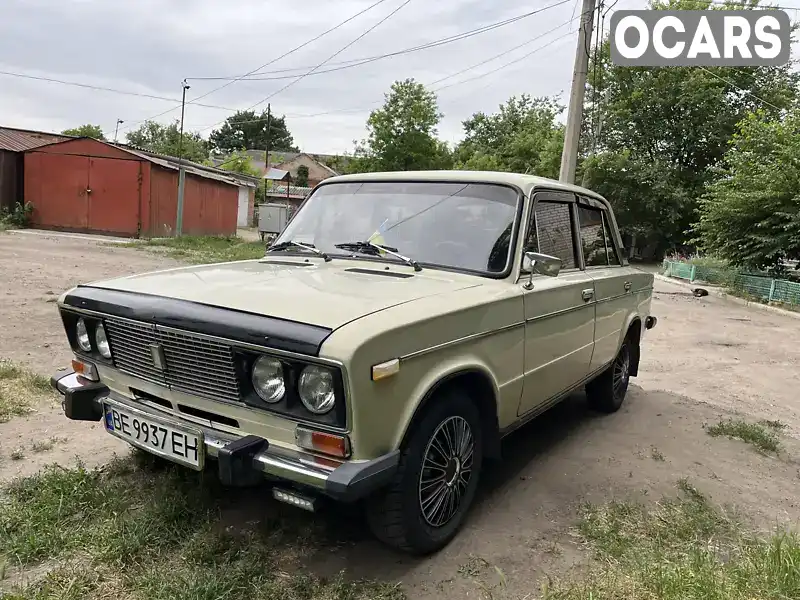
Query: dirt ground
{"x": 706, "y": 359}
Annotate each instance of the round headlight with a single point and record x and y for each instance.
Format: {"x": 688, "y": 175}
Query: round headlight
{"x": 316, "y": 389}
{"x": 102, "y": 341}
{"x": 83, "y": 336}
{"x": 268, "y": 379}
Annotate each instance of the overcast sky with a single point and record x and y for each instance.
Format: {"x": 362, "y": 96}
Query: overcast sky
{"x": 149, "y": 46}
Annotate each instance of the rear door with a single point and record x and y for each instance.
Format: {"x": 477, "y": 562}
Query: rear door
{"x": 614, "y": 297}
{"x": 559, "y": 311}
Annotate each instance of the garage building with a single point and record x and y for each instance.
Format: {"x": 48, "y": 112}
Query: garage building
{"x": 84, "y": 184}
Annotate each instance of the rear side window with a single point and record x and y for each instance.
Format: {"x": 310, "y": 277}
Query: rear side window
{"x": 595, "y": 236}
{"x": 550, "y": 232}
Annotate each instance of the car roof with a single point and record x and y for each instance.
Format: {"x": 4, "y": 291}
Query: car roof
{"x": 527, "y": 183}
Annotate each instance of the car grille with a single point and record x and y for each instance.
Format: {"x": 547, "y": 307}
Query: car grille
{"x": 194, "y": 364}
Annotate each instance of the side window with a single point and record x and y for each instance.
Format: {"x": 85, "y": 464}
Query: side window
{"x": 550, "y": 232}
{"x": 593, "y": 239}
{"x": 613, "y": 259}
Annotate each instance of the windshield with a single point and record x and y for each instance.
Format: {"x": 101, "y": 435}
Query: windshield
{"x": 459, "y": 225}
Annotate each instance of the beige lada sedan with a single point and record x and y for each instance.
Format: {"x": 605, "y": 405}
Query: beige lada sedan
{"x": 397, "y": 329}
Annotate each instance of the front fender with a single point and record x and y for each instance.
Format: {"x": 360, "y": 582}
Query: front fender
{"x": 432, "y": 378}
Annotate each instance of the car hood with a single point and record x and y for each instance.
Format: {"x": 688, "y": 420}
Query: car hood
{"x": 324, "y": 294}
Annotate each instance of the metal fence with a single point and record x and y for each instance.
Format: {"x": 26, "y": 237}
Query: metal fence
{"x": 765, "y": 288}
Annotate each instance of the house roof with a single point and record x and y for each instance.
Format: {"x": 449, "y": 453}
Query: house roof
{"x": 172, "y": 162}
{"x": 279, "y": 157}
{"x": 276, "y": 174}
{"x": 297, "y": 155}
{"x": 20, "y": 140}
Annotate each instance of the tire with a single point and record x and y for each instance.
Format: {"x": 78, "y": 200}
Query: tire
{"x": 396, "y": 515}
{"x": 606, "y": 392}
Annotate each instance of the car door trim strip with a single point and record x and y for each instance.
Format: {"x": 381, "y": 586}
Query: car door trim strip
{"x": 461, "y": 340}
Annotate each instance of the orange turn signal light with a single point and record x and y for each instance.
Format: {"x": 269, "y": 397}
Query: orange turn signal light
{"x": 85, "y": 370}
{"x": 325, "y": 443}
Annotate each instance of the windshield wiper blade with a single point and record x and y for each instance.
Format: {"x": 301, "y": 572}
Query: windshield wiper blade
{"x": 293, "y": 244}
{"x": 374, "y": 249}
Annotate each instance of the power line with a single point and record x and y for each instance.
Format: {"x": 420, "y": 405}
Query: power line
{"x": 376, "y": 102}
{"x": 730, "y": 83}
{"x": 107, "y": 89}
{"x": 509, "y": 51}
{"x": 285, "y": 54}
{"x": 356, "y": 62}
{"x": 334, "y": 55}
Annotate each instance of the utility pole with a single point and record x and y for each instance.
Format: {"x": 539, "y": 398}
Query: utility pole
{"x": 569, "y": 156}
{"x": 116, "y": 129}
{"x": 266, "y": 150}
{"x": 181, "y": 170}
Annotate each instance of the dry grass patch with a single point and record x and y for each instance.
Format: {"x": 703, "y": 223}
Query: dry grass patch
{"x": 156, "y": 533}
{"x": 21, "y": 390}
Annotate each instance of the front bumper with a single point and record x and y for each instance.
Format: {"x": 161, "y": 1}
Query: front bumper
{"x": 239, "y": 458}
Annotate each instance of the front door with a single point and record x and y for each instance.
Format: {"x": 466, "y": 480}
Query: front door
{"x": 559, "y": 311}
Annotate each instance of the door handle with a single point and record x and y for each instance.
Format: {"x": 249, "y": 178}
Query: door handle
{"x": 627, "y": 286}
{"x": 587, "y": 295}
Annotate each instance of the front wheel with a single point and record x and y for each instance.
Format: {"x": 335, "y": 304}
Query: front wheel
{"x": 607, "y": 392}
{"x": 426, "y": 503}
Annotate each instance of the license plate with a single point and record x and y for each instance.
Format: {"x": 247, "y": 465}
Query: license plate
{"x": 155, "y": 435}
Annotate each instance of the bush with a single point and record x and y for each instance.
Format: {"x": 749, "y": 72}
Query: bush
{"x": 20, "y": 216}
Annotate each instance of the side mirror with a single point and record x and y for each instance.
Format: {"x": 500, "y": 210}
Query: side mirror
{"x": 540, "y": 264}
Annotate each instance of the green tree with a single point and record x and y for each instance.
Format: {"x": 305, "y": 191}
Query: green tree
{"x": 523, "y": 137}
{"x": 751, "y": 213}
{"x": 302, "y": 176}
{"x": 165, "y": 139}
{"x": 248, "y": 129}
{"x": 88, "y": 130}
{"x": 665, "y": 129}
{"x": 402, "y": 134}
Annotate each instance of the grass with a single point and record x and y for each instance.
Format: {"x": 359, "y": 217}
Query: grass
{"x": 202, "y": 249}
{"x": 130, "y": 530}
{"x": 20, "y": 390}
{"x": 760, "y": 435}
{"x": 683, "y": 548}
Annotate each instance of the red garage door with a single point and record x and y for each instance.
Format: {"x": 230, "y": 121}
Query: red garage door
{"x": 114, "y": 195}
{"x": 56, "y": 185}
{"x": 84, "y": 192}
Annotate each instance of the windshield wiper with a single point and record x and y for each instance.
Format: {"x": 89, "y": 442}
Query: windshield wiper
{"x": 292, "y": 244}
{"x": 374, "y": 249}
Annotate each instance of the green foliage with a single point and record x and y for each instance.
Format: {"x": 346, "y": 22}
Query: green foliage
{"x": 239, "y": 162}
{"x": 523, "y": 137}
{"x": 88, "y": 130}
{"x": 248, "y": 129}
{"x": 19, "y": 216}
{"x": 134, "y": 529}
{"x": 760, "y": 435}
{"x": 665, "y": 130}
{"x": 302, "y": 176}
{"x": 202, "y": 249}
{"x": 680, "y": 548}
{"x": 751, "y": 213}
{"x": 165, "y": 139}
{"x": 402, "y": 134}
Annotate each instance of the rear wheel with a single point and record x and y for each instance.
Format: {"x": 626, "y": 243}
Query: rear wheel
{"x": 607, "y": 392}
{"x": 435, "y": 484}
